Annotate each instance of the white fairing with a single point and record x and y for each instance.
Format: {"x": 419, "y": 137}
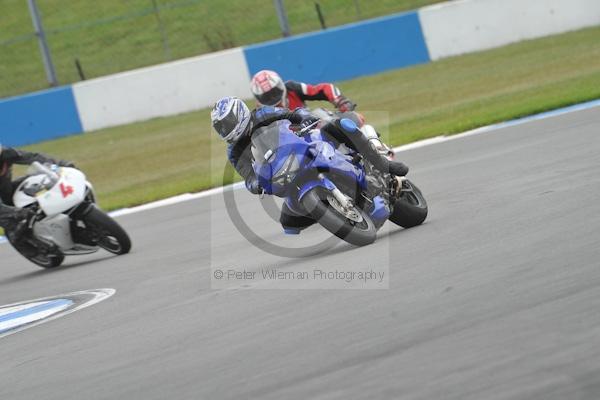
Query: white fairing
{"x": 56, "y": 190}
{"x": 20, "y": 199}
{"x": 56, "y": 229}
{"x": 69, "y": 191}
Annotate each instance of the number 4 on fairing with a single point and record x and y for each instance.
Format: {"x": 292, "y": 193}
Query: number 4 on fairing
{"x": 66, "y": 190}
{"x": 67, "y": 221}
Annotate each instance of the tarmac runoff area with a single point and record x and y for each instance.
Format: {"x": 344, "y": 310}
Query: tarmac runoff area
{"x": 496, "y": 296}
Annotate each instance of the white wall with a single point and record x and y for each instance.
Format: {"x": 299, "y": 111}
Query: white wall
{"x": 162, "y": 90}
{"x": 451, "y": 28}
{"x": 465, "y": 26}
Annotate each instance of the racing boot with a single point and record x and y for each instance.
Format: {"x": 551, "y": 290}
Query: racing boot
{"x": 364, "y": 146}
{"x": 293, "y": 223}
{"x": 17, "y": 232}
{"x": 19, "y": 224}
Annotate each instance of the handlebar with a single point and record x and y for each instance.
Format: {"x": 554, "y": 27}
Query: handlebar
{"x": 42, "y": 169}
{"x": 309, "y": 127}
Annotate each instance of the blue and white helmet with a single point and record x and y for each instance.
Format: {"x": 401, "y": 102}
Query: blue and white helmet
{"x": 231, "y": 119}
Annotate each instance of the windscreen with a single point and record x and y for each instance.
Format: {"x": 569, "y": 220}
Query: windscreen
{"x": 265, "y": 142}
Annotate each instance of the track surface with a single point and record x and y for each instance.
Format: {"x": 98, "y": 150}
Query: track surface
{"x": 495, "y": 297}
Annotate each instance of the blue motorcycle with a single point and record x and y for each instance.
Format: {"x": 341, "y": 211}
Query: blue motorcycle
{"x": 338, "y": 189}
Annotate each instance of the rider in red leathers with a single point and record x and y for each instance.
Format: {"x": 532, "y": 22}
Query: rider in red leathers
{"x": 270, "y": 90}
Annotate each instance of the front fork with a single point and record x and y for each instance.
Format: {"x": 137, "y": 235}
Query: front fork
{"x": 379, "y": 211}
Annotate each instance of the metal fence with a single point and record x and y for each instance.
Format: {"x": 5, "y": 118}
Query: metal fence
{"x": 90, "y": 38}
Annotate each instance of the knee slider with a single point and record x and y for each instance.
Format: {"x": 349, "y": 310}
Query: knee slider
{"x": 348, "y": 125}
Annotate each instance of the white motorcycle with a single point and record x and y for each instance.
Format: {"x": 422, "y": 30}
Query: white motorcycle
{"x": 67, "y": 220}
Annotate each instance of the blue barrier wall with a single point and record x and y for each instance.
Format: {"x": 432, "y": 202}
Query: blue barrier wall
{"x": 38, "y": 116}
{"x": 346, "y": 52}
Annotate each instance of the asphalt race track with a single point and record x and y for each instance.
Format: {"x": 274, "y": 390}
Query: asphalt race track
{"x": 497, "y": 296}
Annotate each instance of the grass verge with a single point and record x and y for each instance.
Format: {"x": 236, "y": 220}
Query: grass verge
{"x": 147, "y": 161}
{"x": 110, "y": 36}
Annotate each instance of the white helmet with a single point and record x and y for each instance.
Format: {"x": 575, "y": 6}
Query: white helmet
{"x": 230, "y": 117}
{"x": 268, "y": 88}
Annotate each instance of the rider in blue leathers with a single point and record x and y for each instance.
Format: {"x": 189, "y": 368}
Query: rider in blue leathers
{"x": 234, "y": 122}
{"x": 239, "y": 154}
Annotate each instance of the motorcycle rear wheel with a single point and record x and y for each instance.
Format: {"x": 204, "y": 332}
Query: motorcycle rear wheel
{"x": 411, "y": 208}
{"x": 47, "y": 261}
{"x": 315, "y": 202}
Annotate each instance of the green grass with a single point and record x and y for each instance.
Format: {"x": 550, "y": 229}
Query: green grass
{"x": 109, "y": 36}
{"x": 163, "y": 157}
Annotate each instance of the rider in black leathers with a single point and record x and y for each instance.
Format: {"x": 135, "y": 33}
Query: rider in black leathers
{"x": 12, "y": 219}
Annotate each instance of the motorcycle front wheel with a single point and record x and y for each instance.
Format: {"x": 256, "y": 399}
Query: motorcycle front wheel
{"x": 358, "y": 230}
{"x": 110, "y": 235}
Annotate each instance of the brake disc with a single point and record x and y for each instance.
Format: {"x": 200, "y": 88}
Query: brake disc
{"x": 352, "y": 214}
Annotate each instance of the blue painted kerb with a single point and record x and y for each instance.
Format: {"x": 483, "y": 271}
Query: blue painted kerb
{"x": 34, "y": 310}
{"x": 39, "y": 116}
{"x": 344, "y": 52}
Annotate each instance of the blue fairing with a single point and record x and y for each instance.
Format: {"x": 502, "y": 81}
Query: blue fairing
{"x": 329, "y": 160}
{"x": 380, "y": 212}
{"x": 279, "y": 150}
{"x": 287, "y": 144}
{"x": 310, "y": 185}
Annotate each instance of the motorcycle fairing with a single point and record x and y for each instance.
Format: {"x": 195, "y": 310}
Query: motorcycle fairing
{"x": 380, "y": 212}
{"x": 55, "y": 229}
{"x": 273, "y": 145}
{"x": 69, "y": 191}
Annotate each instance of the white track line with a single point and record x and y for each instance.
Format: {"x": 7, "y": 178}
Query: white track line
{"x": 421, "y": 143}
{"x": 97, "y": 296}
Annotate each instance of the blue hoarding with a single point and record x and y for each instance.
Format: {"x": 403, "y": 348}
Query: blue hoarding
{"x": 345, "y": 52}
{"x": 39, "y": 116}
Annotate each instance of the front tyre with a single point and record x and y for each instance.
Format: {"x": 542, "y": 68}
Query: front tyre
{"x": 411, "y": 208}
{"x": 359, "y": 231}
{"x": 110, "y": 235}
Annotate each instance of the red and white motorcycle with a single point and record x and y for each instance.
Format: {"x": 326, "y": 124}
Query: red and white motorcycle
{"x": 67, "y": 220}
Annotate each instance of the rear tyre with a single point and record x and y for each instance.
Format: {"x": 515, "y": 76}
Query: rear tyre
{"x": 45, "y": 260}
{"x": 110, "y": 235}
{"x": 411, "y": 208}
{"x": 362, "y": 233}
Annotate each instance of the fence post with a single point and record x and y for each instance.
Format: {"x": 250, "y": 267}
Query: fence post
{"x": 357, "y": 7}
{"x": 163, "y": 32}
{"x": 44, "y": 49}
{"x": 320, "y": 15}
{"x": 282, "y": 16}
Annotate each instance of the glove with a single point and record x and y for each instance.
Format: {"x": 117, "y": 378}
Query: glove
{"x": 308, "y": 122}
{"x": 68, "y": 164}
{"x": 253, "y": 186}
{"x": 343, "y": 104}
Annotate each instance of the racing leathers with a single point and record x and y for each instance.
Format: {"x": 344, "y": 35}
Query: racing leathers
{"x": 299, "y": 92}
{"x": 240, "y": 155}
{"x": 10, "y": 216}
